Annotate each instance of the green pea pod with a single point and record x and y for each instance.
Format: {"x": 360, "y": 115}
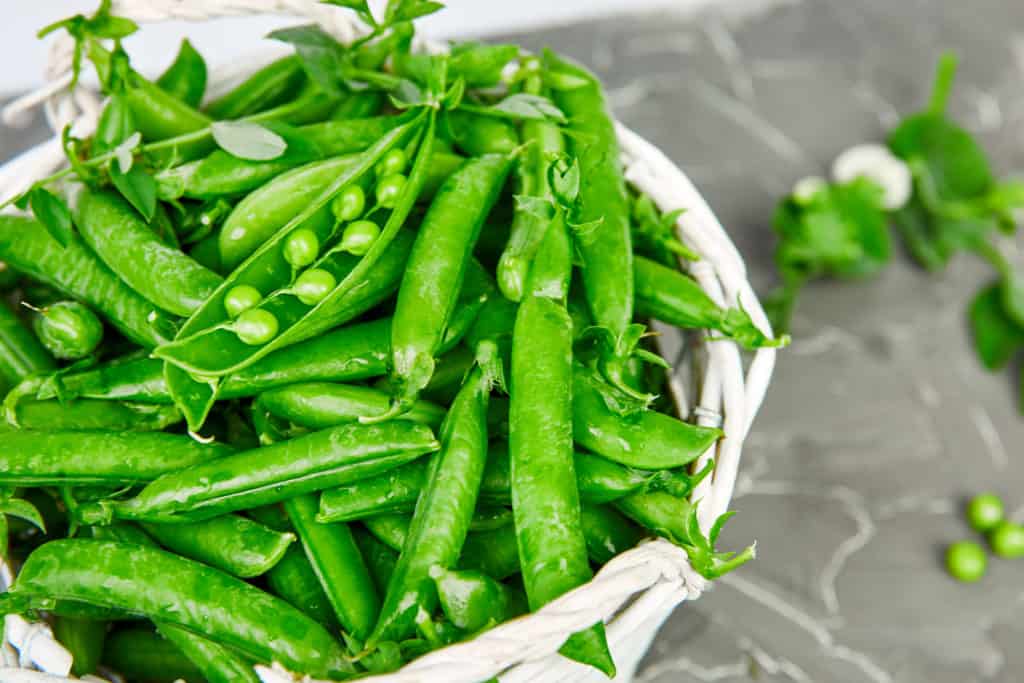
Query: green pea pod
{"x": 97, "y": 458}
{"x": 163, "y": 275}
{"x": 77, "y": 272}
{"x": 480, "y": 135}
{"x": 443, "y": 513}
{"x": 320, "y": 460}
{"x": 311, "y": 105}
{"x": 338, "y": 564}
{"x": 436, "y": 268}
{"x": 234, "y": 544}
{"x": 360, "y": 104}
{"x": 83, "y": 638}
{"x": 21, "y": 354}
{"x": 672, "y": 297}
{"x": 318, "y": 405}
{"x": 268, "y": 87}
{"x": 217, "y": 663}
{"x": 89, "y": 414}
{"x": 553, "y": 556}
{"x": 185, "y": 78}
{"x": 492, "y": 552}
{"x": 471, "y": 600}
{"x": 544, "y": 142}
{"x": 606, "y": 249}
{"x": 144, "y": 655}
{"x": 379, "y": 558}
{"x": 199, "y": 598}
{"x": 608, "y": 532}
{"x": 204, "y": 347}
{"x": 660, "y": 512}
{"x": 395, "y": 491}
{"x": 646, "y": 439}
{"x": 293, "y": 579}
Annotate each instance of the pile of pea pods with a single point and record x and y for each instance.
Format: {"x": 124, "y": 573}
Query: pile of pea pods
{"x": 340, "y": 367}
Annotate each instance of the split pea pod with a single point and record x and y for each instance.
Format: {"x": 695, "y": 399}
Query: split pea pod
{"x": 436, "y": 268}
{"x": 335, "y": 558}
{"x": 97, "y": 458}
{"x": 443, "y": 512}
{"x": 232, "y": 543}
{"x": 199, "y": 599}
{"x": 266, "y": 88}
{"x": 164, "y": 276}
{"x": 77, "y": 272}
{"x": 646, "y": 440}
{"x": 606, "y": 252}
{"x": 313, "y": 462}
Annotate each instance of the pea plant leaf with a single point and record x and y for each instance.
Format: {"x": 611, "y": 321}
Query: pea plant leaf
{"x": 53, "y": 213}
{"x": 524, "y": 106}
{"x": 407, "y": 10}
{"x": 138, "y": 187}
{"x": 361, "y": 8}
{"x": 247, "y": 140}
{"x": 708, "y": 562}
{"x": 321, "y": 55}
{"x": 654, "y": 233}
{"x": 101, "y": 25}
{"x": 996, "y": 336}
{"x": 115, "y": 125}
{"x": 564, "y": 180}
{"x": 22, "y": 509}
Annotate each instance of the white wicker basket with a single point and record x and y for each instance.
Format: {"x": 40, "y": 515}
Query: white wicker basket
{"x": 636, "y": 591}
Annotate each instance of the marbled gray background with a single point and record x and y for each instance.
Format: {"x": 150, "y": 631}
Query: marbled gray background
{"x": 879, "y": 422}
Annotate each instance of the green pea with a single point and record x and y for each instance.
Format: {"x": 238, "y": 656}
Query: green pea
{"x": 256, "y": 326}
{"x": 966, "y": 561}
{"x": 985, "y": 512}
{"x": 68, "y": 330}
{"x": 240, "y": 299}
{"x": 1007, "y": 540}
{"x": 359, "y": 236}
{"x": 313, "y": 285}
{"x": 349, "y": 205}
{"x": 393, "y": 163}
{"x": 388, "y": 189}
{"x": 301, "y": 247}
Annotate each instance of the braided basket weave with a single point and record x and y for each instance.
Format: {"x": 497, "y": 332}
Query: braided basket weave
{"x": 636, "y": 591}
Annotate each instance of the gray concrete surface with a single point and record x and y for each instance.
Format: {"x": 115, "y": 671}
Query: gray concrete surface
{"x": 879, "y": 421}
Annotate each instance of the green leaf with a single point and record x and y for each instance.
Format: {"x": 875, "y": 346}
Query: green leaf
{"x": 407, "y": 10}
{"x": 526, "y": 106}
{"x": 480, "y": 64}
{"x": 22, "y": 509}
{"x": 185, "y": 78}
{"x": 115, "y": 125}
{"x": 564, "y": 180}
{"x": 453, "y": 98}
{"x": 407, "y": 95}
{"x": 247, "y": 140}
{"x": 138, "y": 187}
{"x": 53, "y": 213}
{"x": 322, "y": 56}
{"x": 950, "y": 158}
{"x": 537, "y": 207}
{"x": 361, "y": 7}
{"x": 1012, "y": 290}
{"x": 124, "y": 153}
{"x": 996, "y": 336}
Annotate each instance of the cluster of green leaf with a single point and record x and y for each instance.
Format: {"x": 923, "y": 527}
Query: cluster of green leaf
{"x": 957, "y": 205}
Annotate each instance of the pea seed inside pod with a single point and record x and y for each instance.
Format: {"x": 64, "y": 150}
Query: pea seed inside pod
{"x": 240, "y": 299}
{"x": 301, "y": 248}
{"x": 349, "y": 205}
{"x": 393, "y": 163}
{"x": 359, "y": 237}
{"x": 256, "y": 326}
{"x": 313, "y": 285}
{"x": 388, "y": 190}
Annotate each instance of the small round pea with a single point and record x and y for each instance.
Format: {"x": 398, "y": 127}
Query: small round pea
{"x": 393, "y": 162}
{"x": 388, "y": 189}
{"x": 241, "y": 298}
{"x": 985, "y": 512}
{"x": 256, "y": 326}
{"x": 359, "y": 237}
{"x": 966, "y": 561}
{"x": 301, "y": 247}
{"x": 313, "y": 285}
{"x": 349, "y": 204}
{"x": 1007, "y": 540}
{"x": 68, "y": 330}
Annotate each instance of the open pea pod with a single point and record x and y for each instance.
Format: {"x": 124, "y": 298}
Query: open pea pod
{"x": 206, "y": 348}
